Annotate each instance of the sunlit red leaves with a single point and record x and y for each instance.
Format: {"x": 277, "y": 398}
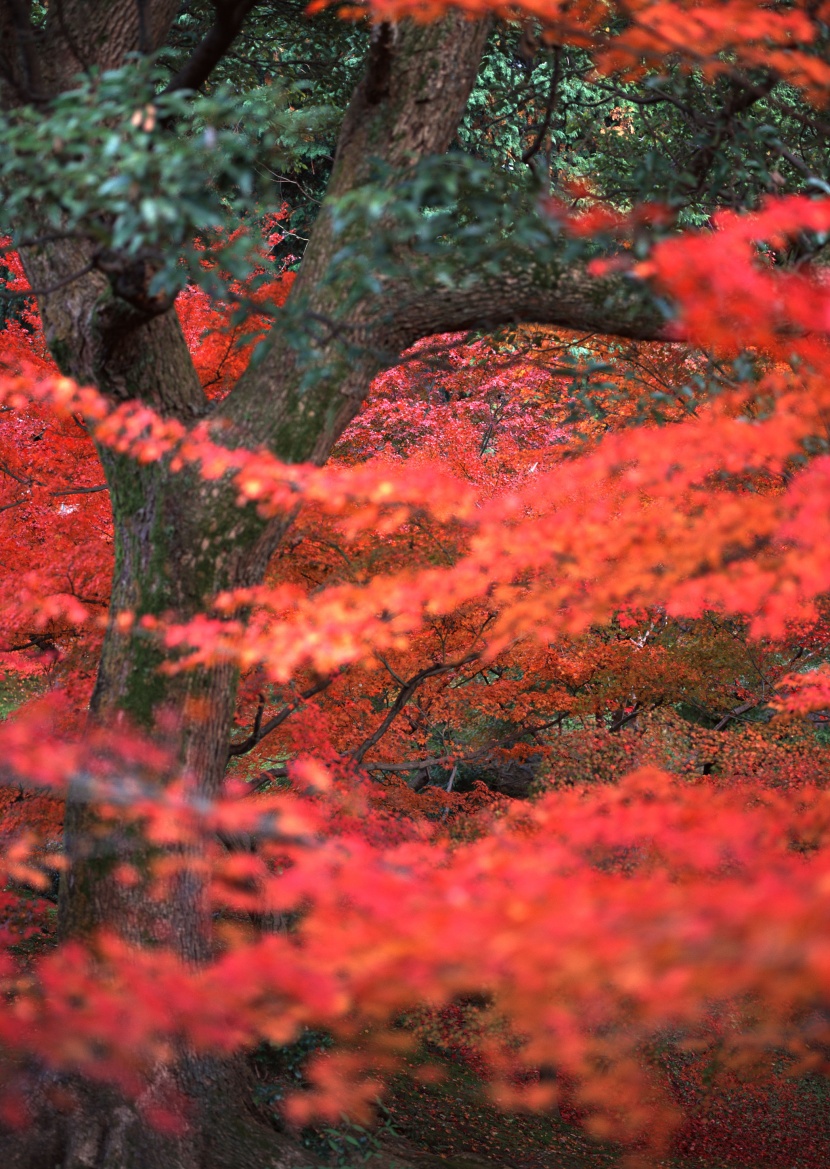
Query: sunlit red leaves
{"x": 221, "y": 350}
{"x": 631, "y": 37}
{"x": 736, "y": 299}
{"x": 597, "y": 918}
{"x": 804, "y": 693}
{"x": 679, "y": 896}
{"x": 637, "y": 521}
{"x": 668, "y": 522}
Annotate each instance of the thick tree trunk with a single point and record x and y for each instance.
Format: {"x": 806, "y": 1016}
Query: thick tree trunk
{"x": 100, "y": 1130}
{"x": 178, "y": 542}
{"x": 164, "y": 563}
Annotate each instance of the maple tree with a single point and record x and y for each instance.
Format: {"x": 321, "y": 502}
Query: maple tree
{"x": 383, "y": 547}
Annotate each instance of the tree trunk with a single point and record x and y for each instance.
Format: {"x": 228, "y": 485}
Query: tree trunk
{"x": 100, "y": 1130}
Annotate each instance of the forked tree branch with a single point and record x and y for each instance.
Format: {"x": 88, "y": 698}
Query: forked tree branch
{"x": 536, "y": 144}
{"x": 404, "y": 694}
{"x": 259, "y": 731}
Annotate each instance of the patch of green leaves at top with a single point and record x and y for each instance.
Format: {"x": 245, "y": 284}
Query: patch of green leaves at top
{"x": 145, "y": 173}
{"x": 454, "y": 213}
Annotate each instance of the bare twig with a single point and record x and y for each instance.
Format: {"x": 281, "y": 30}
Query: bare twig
{"x": 50, "y": 288}
{"x": 259, "y": 731}
{"x": 81, "y": 490}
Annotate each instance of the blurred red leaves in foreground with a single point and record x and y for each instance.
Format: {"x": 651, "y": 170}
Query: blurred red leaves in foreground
{"x": 668, "y": 887}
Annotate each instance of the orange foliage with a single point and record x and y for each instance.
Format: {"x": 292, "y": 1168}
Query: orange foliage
{"x": 477, "y": 587}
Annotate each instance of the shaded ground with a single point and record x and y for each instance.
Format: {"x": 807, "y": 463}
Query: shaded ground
{"x": 449, "y": 1126}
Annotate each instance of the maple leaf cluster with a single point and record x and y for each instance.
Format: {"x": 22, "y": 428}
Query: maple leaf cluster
{"x": 483, "y": 595}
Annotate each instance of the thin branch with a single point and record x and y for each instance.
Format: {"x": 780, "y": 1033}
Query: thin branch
{"x": 6, "y": 470}
{"x": 281, "y": 178}
{"x": 744, "y": 96}
{"x": 41, "y": 642}
{"x": 259, "y": 731}
{"x": 81, "y": 490}
{"x": 268, "y": 777}
{"x": 624, "y": 718}
{"x": 9, "y": 506}
{"x": 536, "y": 145}
{"x": 395, "y": 677}
{"x": 653, "y": 99}
{"x": 404, "y": 694}
{"x": 736, "y": 713}
{"x": 49, "y": 289}
{"x": 799, "y": 164}
{"x": 479, "y": 756}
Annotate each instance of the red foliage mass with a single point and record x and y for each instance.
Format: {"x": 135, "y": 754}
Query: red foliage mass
{"x": 567, "y": 588}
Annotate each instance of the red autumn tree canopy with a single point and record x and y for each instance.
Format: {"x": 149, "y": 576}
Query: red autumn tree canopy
{"x": 420, "y": 627}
